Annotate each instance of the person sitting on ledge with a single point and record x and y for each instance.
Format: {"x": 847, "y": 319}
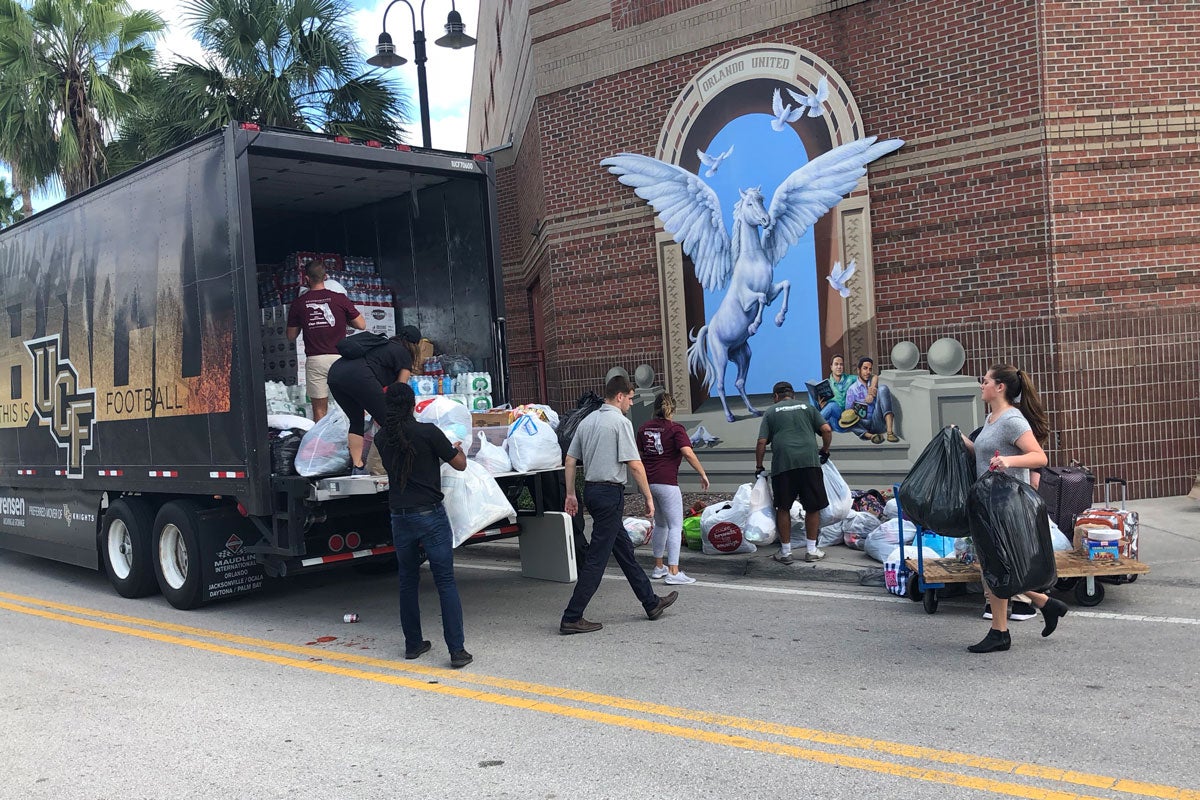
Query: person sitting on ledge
{"x": 868, "y": 411}
{"x": 839, "y": 382}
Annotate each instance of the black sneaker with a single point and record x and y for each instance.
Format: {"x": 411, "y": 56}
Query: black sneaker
{"x": 987, "y": 610}
{"x": 424, "y": 648}
{"x": 1019, "y": 611}
{"x": 460, "y": 658}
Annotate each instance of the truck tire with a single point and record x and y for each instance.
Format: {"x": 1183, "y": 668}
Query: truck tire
{"x": 126, "y": 549}
{"x": 177, "y": 554}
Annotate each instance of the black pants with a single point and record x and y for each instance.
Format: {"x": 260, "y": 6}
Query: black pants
{"x": 356, "y": 389}
{"x": 605, "y": 503}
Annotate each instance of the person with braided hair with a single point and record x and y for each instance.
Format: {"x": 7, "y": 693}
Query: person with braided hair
{"x": 1011, "y": 439}
{"x": 413, "y": 458}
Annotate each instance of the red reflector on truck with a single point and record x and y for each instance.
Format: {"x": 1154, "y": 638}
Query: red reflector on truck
{"x": 27, "y": 472}
{"x": 226, "y": 474}
{"x": 111, "y": 473}
{"x": 373, "y": 143}
{"x": 342, "y": 139}
{"x": 336, "y": 542}
{"x": 250, "y": 126}
{"x": 159, "y": 473}
{"x": 353, "y": 540}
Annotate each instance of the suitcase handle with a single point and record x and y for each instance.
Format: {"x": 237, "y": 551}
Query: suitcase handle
{"x": 1109, "y": 481}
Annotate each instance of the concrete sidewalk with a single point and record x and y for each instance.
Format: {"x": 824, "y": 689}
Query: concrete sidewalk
{"x": 1169, "y": 543}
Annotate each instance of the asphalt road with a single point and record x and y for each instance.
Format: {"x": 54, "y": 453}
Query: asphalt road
{"x": 746, "y": 688}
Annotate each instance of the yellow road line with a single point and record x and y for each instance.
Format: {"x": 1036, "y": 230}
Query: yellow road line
{"x": 757, "y": 726}
{"x": 631, "y": 723}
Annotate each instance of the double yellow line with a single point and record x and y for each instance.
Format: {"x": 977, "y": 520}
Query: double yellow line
{"x": 598, "y": 709}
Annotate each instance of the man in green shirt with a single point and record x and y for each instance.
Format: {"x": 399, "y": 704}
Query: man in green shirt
{"x": 790, "y": 427}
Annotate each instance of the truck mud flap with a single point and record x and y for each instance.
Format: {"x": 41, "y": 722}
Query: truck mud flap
{"x": 228, "y": 569}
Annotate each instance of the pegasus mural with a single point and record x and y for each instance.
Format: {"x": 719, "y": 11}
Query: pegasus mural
{"x": 745, "y": 260}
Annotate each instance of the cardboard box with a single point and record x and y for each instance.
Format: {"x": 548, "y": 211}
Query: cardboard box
{"x": 486, "y": 419}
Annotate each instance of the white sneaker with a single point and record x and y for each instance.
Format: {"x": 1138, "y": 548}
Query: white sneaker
{"x": 679, "y": 579}
{"x": 660, "y": 572}
{"x": 814, "y": 555}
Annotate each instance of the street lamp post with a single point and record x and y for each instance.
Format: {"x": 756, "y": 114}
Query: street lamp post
{"x": 387, "y": 57}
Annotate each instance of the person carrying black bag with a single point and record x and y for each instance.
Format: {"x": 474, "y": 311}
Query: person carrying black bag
{"x": 1011, "y": 441}
{"x": 369, "y": 364}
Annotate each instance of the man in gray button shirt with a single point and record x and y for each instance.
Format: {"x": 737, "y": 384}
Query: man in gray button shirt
{"x": 604, "y": 443}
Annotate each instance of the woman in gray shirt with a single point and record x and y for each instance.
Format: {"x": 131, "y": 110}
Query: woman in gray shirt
{"x": 1011, "y": 440}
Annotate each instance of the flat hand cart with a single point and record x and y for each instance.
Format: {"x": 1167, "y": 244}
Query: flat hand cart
{"x": 933, "y": 574}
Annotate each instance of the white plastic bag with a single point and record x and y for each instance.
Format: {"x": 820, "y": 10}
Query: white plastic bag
{"x": 838, "y": 492}
{"x": 760, "y": 495}
{"x": 856, "y": 529}
{"x": 287, "y": 422}
{"x": 638, "y": 530}
{"x": 325, "y": 449}
{"x": 473, "y": 500}
{"x": 492, "y": 457}
{"x": 532, "y": 445}
{"x": 895, "y": 579}
{"x": 881, "y": 540}
{"x": 796, "y": 512}
{"x": 760, "y": 527}
{"x": 890, "y": 509}
{"x": 832, "y": 534}
{"x": 721, "y": 527}
{"x": 448, "y": 415}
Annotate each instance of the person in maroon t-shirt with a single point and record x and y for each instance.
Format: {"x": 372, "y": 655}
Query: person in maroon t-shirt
{"x": 322, "y": 315}
{"x": 664, "y": 443}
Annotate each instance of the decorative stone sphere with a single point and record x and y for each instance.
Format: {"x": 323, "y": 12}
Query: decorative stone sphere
{"x": 905, "y": 355}
{"x": 643, "y": 376}
{"x": 946, "y": 356}
{"x": 614, "y": 372}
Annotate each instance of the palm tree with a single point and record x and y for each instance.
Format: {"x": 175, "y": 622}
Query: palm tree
{"x": 68, "y": 65}
{"x": 284, "y": 63}
{"x": 10, "y": 209}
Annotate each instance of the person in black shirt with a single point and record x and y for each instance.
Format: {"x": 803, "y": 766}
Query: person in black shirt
{"x": 358, "y": 384}
{"x": 413, "y": 458}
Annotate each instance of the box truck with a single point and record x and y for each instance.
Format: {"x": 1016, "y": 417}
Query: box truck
{"x": 133, "y": 415}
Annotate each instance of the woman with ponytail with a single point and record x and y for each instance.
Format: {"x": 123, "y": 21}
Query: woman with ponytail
{"x": 413, "y": 458}
{"x": 663, "y": 444}
{"x": 1012, "y": 439}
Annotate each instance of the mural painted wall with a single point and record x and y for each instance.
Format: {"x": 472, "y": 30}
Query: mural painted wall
{"x": 758, "y": 169}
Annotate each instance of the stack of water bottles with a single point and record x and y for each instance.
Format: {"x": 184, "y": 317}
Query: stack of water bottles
{"x": 472, "y": 389}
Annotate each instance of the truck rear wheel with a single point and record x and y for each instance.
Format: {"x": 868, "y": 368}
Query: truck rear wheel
{"x": 125, "y": 547}
{"x": 177, "y": 549}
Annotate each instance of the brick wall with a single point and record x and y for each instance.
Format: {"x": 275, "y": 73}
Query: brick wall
{"x": 1039, "y": 212}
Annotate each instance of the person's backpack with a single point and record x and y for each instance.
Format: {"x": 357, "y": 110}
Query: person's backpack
{"x": 360, "y": 344}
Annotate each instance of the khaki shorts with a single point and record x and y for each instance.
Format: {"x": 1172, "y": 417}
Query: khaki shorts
{"x": 316, "y": 370}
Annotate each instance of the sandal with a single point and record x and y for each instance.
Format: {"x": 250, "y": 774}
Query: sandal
{"x": 876, "y": 438}
{"x": 891, "y": 437}
{"x": 866, "y": 437}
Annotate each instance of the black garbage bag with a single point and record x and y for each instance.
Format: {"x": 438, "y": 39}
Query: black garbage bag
{"x": 588, "y": 402}
{"x": 284, "y": 446}
{"x": 934, "y": 493}
{"x": 1011, "y": 533}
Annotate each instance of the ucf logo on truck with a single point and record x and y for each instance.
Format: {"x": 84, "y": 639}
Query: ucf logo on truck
{"x": 60, "y": 404}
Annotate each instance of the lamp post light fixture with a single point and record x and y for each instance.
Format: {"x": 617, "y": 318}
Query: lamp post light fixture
{"x": 387, "y": 57}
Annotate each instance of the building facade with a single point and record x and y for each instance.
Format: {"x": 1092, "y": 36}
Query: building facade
{"x": 1041, "y": 209}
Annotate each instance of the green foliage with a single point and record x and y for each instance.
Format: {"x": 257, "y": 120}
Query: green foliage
{"x": 282, "y": 63}
{"x": 11, "y": 209}
{"x": 65, "y": 70}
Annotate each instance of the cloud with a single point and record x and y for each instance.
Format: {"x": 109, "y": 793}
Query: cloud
{"x": 176, "y": 41}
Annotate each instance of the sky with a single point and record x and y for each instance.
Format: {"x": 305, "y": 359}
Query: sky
{"x": 449, "y": 72}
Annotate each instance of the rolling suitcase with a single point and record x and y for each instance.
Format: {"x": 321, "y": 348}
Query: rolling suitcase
{"x": 1068, "y": 492}
{"x": 1118, "y": 519}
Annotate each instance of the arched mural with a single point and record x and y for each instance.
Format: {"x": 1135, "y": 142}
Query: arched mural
{"x": 755, "y": 273}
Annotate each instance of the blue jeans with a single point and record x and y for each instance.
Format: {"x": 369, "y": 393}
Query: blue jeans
{"x": 831, "y": 413}
{"x": 431, "y": 529}
{"x": 605, "y": 503}
{"x": 876, "y": 421}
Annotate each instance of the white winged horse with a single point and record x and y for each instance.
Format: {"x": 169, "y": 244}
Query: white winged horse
{"x": 691, "y": 213}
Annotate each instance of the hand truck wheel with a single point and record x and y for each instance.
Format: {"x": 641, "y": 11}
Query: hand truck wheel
{"x": 930, "y": 601}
